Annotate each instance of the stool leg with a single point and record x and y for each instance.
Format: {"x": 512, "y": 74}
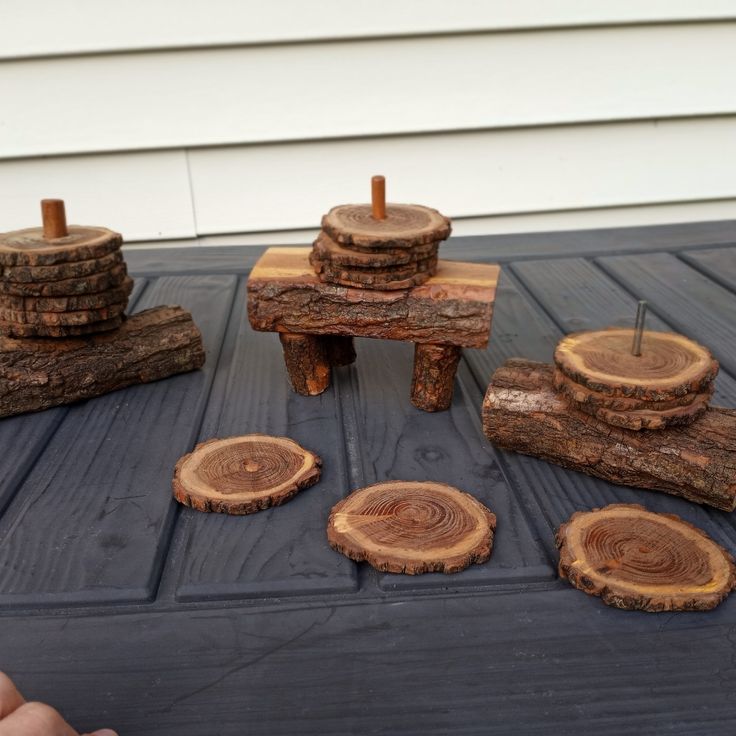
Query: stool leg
{"x": 340, "y": 350}
{"x": 306, "y": 363}
{"x": 434, "y": 376}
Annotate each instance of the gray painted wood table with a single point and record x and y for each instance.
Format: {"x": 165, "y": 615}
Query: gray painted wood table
{"x": 123, "y": 609}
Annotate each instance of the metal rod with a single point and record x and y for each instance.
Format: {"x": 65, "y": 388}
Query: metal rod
{"x": 641, "y": 314}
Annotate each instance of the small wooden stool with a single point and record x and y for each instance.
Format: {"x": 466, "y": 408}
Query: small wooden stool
{"x": 317, "y": 321}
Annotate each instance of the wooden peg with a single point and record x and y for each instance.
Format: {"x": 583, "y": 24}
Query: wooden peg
{"x": 378, "y": 197}
{"x": 641, "y": 313}
{"x": 54, "y": 219}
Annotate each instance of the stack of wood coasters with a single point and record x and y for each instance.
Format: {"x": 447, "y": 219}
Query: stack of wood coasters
{"x": 670, "y": 383}
{"x": 60, "y": 281}
{"x": 377, "y": 246}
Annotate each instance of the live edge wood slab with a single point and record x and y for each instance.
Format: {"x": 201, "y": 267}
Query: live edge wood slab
{"x": 523, "y": 412}
{"x": 38, "y": 373}
{"x": 452, "y": 310}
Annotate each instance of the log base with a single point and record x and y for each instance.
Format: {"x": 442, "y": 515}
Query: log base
{"x": 523, "y": 412}
{"x": 38, "y": 373}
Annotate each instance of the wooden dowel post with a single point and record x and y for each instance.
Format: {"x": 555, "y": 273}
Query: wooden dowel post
{"x": 434, "y": 376}
{"x": 307, "y": 363}
{"x": 54, "y": 219}
{"x": 378, "y": 197}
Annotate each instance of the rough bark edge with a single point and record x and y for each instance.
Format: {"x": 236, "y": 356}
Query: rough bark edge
{"x": 307, "y": 363}
{"x": 567, "y": 571}
{"x": 73, "y": 303}
{"x": 242, "y": 508}
{"x": 433, "y": 376}
{"x": 77, "y": 246}
{"x": 61, "y": 271}
{"x": 90, "y": 284}
{"x": 384, "y": 563}
{"x": 326, "y": 249}
{"x": 340, "y": 233}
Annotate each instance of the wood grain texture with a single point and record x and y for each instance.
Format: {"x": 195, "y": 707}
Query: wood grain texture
{"x": 36, "y": 374}
{"x": 404, "y": 226}
{"x": 127, "y": 520}
{"x": 454, "y": 307}
{"x": 670, "y": 365}
{"x": 643, "y": 561}
{"x": 72, "y": 303}
{"x": 296, "y": 560}
{"x": 522, "y": 412}
{"x": 60, "y": 271}
{"x": 242, "y": 475}
{"x": 29, "y": 247}
{"x": 412, "y": 527}
{"x": 91, "y": 284}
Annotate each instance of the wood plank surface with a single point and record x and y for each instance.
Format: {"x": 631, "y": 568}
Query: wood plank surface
{"x": 92, "y": 518}
{"x": 283, "y": 550}
{"x": 546, "y": 662}
{"x": 395, "y": 441}
{"x": 718, "y": 264}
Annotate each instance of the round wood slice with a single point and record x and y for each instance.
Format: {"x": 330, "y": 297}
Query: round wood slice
{"x": 412, "y": 527}
{"x": 13, "y": 329}
{"x": 242, "y": 475}
{"x": 405, "y": 226}
{"x": 48, "y": 319}
{"x": 68, "y": 303}
{"x": 29, "y": 248}
{"x": 72, "y": 270}
{"x": 92, "y": 284}
{"x": 379, "y": 280}
{"x": 670, "y": 365}
{"x": 326, "y": 249}
{"x": 648, "y": 418}
{"x": 593, "y": 399}
{"x": 635, "y": 559}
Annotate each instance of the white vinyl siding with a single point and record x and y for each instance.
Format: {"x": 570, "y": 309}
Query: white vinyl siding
{"x": 245, "y": 121}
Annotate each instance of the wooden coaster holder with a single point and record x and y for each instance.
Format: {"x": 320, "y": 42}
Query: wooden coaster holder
{"x": 317, "y": 321}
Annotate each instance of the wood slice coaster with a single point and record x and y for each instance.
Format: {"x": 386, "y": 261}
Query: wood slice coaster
{"x": 68, "y": 303}
{"x": 405, "y": 226}
{"x": 326, "y": 249}
{"x": 670, "y": 365}
{"x": 83, "y": 317}
{"x": 648, "y": 418}
{"x": 593, "y": 399}
{"x": 29, "y": 248}
{"x": 71, "y": 270}
{"x": 92, "y": 284}
{"x": 635, "y": 559}
{"x": 412, "y": 527}
{"x": 384, "y": 280}
{"x": 242, "y": 475}
{"x": 13, "y": 329}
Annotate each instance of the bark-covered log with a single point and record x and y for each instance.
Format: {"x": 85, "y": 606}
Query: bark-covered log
{"x": 242, "y": 475}
{"x": 39, "y": 373}
{"x": 523, "y": 412}
{"x": 639, "y": 560}
{"x": 453, "y": 308}
{"x": 433, "y": 379}
{"x": 412, "y": 527}
{"x": 307, "y": 363}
